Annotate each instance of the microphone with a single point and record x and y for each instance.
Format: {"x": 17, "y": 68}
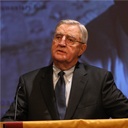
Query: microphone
{"x": 15, "y": 114}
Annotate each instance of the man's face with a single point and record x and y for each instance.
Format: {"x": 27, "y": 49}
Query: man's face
{"x": 65, "y": 53}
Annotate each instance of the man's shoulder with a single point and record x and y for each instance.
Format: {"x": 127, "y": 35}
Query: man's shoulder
{"x": 96, "y": 72}
{"x": 93, "y": 68}
{"x": 39, "y": 71}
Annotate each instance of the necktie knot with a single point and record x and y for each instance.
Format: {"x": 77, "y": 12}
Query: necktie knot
{"x": 61, "y": 73}
{"x": 61, "y": 79}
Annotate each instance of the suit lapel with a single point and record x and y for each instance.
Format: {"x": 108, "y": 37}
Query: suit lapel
{"x": 48, "y": 92}
{"x": 78, "y": 85}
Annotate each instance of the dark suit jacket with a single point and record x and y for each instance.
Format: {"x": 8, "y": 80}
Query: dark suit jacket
{"x": 94, "y": 95}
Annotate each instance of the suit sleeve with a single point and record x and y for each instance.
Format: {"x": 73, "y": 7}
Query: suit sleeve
{"x": 114, "y": 102}
{"x": 18, "y": 107}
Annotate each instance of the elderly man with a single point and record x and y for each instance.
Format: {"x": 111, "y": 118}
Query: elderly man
{"x": 67, "y": 89}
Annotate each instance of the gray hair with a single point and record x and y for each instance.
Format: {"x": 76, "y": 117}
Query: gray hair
{"x": 83, "y": 29}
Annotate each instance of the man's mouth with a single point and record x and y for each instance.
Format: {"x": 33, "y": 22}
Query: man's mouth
{"x": 61, "y": 51}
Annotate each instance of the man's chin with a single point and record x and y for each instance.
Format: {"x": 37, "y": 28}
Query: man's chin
{"x": 60, "y": 59}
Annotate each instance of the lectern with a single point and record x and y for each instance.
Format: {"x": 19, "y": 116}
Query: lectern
{"x": 104, "y": 123}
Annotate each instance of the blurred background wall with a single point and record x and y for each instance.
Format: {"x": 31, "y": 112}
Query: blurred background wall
{"x": 26, "y": 34}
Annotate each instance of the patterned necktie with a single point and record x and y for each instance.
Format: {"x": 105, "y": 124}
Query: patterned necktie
{"x": 60, "y": 95}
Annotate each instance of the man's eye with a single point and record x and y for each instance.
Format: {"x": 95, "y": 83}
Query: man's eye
{"x": 71, "y": 40}
{"x": 58, "y": 36}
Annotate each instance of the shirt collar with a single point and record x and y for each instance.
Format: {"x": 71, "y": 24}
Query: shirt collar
{"x": 67, "y": 72}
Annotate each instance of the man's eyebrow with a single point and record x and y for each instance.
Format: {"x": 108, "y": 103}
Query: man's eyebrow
{"x": 69, "y": 35}
{"x": 58, "y": 33}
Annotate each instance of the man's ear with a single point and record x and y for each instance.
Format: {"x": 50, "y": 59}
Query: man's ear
{"x": 82, "y": 49}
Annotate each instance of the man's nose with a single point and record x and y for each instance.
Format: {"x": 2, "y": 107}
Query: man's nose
{"x": 63, "y": 41}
